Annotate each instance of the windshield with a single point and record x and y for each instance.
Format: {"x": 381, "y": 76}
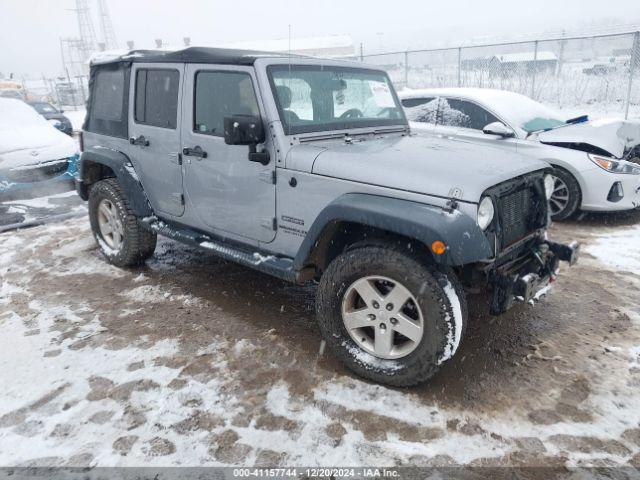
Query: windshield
{"x": 314, "y": 98}
{"x": 42, "y": 107}
{"x": 527, "y": 114}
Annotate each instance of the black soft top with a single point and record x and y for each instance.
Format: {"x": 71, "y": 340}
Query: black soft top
{"x": 225, "y": 56}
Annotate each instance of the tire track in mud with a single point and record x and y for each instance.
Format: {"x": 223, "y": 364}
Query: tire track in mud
{"x": 194, "y": 360}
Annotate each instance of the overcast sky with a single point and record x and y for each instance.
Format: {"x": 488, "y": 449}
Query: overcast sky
{"x": 30, "y": 30}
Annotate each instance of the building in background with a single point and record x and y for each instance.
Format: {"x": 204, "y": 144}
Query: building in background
{"x": 332, "y": 46}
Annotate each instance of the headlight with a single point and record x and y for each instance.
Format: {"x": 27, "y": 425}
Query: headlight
{"x": 549, "y": 184}
{"x": 615, "y": 166}
{"x": 485, "y": 213}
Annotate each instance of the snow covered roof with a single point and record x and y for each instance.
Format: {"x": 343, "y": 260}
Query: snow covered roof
{"x": 526, "y": 57}
{"x": 223, "y": 56}
{"x": 484, "y": 95}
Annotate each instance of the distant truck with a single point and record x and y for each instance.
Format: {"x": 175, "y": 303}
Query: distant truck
{"x": 11, "y": 89}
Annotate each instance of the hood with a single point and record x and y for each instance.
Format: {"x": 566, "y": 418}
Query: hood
{"x": 615, "y": 137}
{"x": 33, "y": 144}
{"x": 427, "y": 165}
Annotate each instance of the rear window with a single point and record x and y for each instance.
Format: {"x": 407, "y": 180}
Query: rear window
{"x": 157, "y": 97}
{"x": 107, "y": 112}
{"x": 109, "y": 93}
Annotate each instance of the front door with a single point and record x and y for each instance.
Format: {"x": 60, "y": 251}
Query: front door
{"x": 225, "y": 191}
{"x": 154, "y": 133}
{"x": 466, "y": 120}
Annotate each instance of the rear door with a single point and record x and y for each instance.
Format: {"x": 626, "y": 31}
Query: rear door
{"x": 156, "y": 97}
{"x": 225, "y": 191}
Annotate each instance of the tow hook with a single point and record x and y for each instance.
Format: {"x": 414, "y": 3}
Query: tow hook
{"x": 566, "y": 253}
{"x": 542, "y": 253}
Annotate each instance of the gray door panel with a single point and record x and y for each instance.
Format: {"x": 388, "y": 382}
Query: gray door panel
{"x": 225, "y": 192}
{"x": 151, "y": 115}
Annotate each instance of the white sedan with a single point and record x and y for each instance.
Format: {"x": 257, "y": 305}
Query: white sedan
{"x": 595, "y": 162}
{"x": 35, "y": 157}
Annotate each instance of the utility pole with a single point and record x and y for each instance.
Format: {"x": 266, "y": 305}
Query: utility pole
{"x": 535, "y": 69}
{"x": 634, "y": 63}
{"x": 106, "y": 27}
{"x": 85, "y": 26}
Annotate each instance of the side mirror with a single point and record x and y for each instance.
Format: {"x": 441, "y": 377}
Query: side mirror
{"x": 499, "y": 128}
{"x": 243, "y": 130}
{"x": 246, "y": 130}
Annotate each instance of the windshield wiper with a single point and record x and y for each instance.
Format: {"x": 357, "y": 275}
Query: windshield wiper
{"x": 580, "y": 119}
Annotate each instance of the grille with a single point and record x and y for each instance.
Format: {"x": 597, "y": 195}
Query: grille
{"x": 516, "y": 210}
{"x": 37, "y": 173}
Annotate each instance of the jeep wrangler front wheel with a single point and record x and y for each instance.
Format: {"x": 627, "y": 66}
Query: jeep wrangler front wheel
{"x": 122, "y": 240}
{"x": 389, "y": 315}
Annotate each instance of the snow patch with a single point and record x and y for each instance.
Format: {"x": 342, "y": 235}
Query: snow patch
{"x": 455, "y": 329}
{"x": 618, "y": 249}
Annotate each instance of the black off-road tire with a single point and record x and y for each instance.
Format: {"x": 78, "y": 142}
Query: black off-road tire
{"x": 138, "y": 243}
{"x": 575, "y": 194}
{"x": 434, "y": 288}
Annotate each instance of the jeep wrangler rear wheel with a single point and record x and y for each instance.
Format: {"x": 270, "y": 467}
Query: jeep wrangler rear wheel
{"x": 389, "y": 315}
{"x": 122, "y": 240}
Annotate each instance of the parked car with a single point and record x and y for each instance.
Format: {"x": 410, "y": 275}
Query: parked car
{"x": 54, "y": 115}
{"x": 304, "y": 169}
{"x": 35, "y": 157}
{"x": 11, "y": 93}
{"x": 592, "y": 160}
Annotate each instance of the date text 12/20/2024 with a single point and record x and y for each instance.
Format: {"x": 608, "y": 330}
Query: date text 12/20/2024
{"x": 317, "y": 472}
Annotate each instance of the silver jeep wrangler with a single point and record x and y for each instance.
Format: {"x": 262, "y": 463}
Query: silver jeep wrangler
{"x": 305, "y": 169}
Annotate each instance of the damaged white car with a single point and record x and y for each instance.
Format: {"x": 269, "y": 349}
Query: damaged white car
{"x": 596, "y": 163}
{"x": 35, "y": 157}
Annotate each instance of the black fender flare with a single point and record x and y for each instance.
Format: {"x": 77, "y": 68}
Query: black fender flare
{"x": 466, "y": 242}
{"x": 122, "y": 167}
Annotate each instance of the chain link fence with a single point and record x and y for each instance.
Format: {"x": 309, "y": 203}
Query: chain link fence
{"x": 598, "y": 73}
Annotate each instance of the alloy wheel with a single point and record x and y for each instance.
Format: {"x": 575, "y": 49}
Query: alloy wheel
{"x": 110, "y": 225}
{"x": 560, "y": 197}
{"x": 383, "y": 317}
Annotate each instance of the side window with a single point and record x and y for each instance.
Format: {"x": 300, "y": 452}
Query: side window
{"x": 460, "y": 113}
{"x": 157, "y": 97}
{"x": 108, "y": 103}
{"x": 423, "y": 110}
{"x": 219, "y": 95}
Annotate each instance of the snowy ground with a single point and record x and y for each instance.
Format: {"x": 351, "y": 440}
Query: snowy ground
{"x": 76, "y": 116}
{"x": 194, "y": 361}
{"x": 33, "y": 209}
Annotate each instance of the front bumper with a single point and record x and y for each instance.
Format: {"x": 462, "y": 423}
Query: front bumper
{"x": 12, "y": 187}
{"x": 597, "y": 189}
{"x": 528, "y": 279}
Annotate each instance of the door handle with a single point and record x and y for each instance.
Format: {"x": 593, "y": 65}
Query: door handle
{"x": 140, "y": 140}
{"x": 196, "y": 151}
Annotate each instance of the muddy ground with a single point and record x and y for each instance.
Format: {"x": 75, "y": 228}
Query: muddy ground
{"x": 191, "y": 360}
